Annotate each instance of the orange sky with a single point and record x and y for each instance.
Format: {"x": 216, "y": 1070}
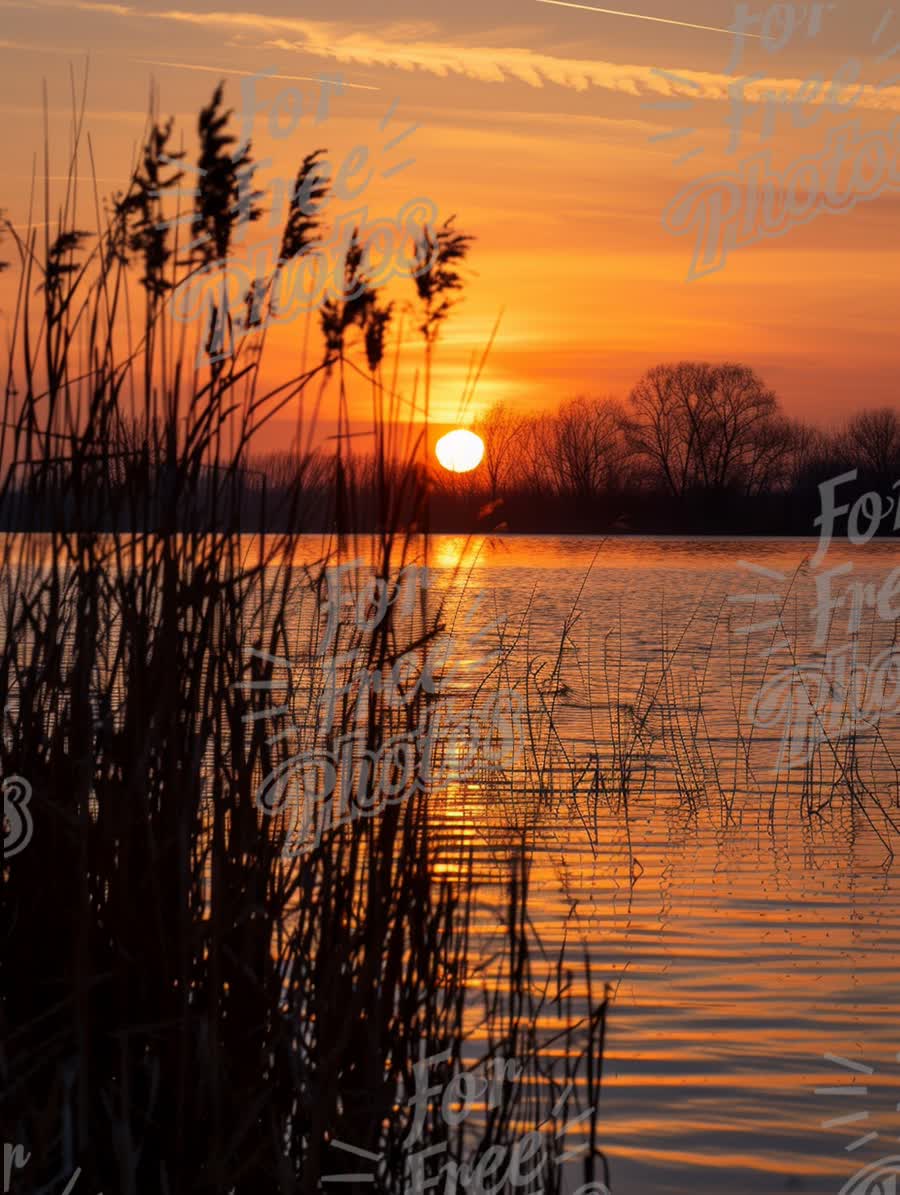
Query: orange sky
{"x": 534, "y": 127}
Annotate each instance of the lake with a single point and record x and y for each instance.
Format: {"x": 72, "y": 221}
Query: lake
{"x": 749, "y": 918}
{"x": 724, "y": 859}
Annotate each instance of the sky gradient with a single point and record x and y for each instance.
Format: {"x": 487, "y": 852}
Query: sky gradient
{"x": 539, "y": 126}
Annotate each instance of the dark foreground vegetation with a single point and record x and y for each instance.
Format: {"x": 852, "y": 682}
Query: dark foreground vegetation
{"x": 187, "y": 1006}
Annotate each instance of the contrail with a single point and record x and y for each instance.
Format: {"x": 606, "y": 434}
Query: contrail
{"x": 639, "y": 16}
{"x": 233, "y": 70}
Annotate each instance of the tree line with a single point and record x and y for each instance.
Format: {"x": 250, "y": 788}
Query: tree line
{"x": 695, "y": 447}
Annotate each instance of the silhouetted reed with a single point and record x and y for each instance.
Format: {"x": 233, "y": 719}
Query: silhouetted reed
{"x": 189, "y": 1005}
{"x": 655, "y": 736}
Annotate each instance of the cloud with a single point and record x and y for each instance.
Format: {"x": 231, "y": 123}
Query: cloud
{"x": 38, "y": 48}
{"x": 412, "y": 47}
{"x": 396, "y": 49}
{"x": 116, "y": 10}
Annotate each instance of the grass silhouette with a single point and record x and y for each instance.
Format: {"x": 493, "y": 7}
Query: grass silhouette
{"x": 190, "y": 1007}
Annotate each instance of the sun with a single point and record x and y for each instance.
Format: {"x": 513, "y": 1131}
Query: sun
{"x": 460, "y": 451}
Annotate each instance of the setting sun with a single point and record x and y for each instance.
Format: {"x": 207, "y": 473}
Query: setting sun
{"x": 460, "y": 451}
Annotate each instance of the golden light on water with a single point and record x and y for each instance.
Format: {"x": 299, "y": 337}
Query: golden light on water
{"x": 460, "y": 451}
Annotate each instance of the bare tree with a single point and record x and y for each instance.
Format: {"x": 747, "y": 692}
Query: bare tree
{"x": 658, "y": 430}
{"x": 772, "y": 463}
{"x": 583, "y": 447}
{"x": 504, "y": 434}
{"x": 700, "y": 426}
{"x": 872, "y": 442}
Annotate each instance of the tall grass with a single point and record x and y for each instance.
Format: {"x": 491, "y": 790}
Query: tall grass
{"x": 191, "y": 1005}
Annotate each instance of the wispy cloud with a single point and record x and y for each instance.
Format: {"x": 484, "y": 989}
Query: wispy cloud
{"x": 115, "y": 10}
{"x": 409, "y": 48}
{"x": 37, "y": 47}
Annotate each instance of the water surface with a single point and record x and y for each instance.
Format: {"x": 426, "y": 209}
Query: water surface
{"x": 750, "y": 927}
